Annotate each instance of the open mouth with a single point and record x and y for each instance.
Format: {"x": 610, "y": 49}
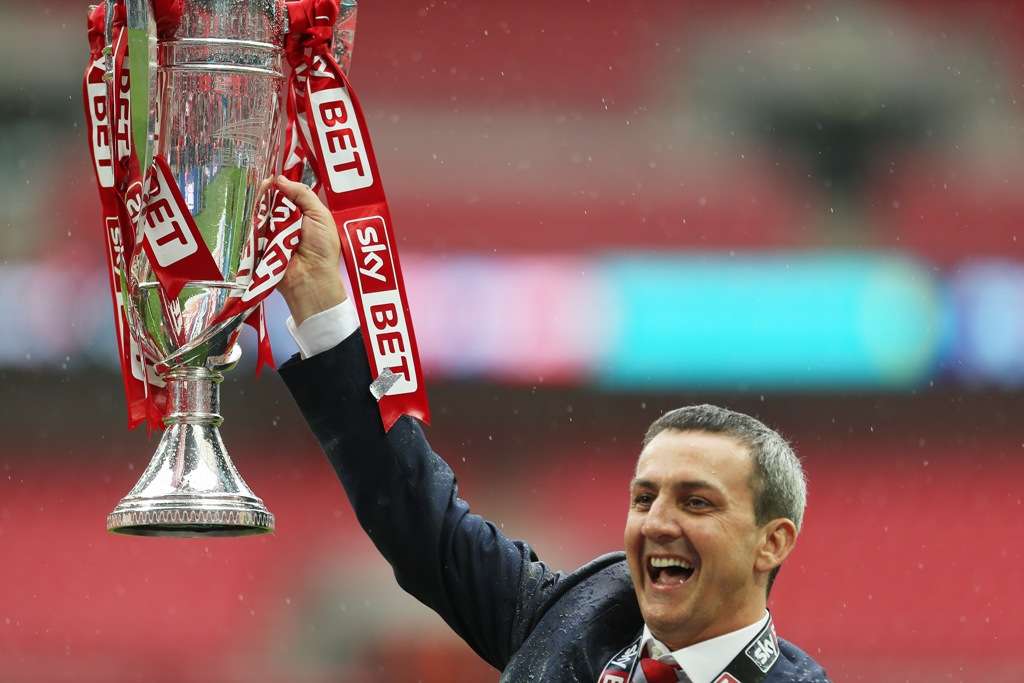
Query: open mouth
{"x": 669, "y": 571}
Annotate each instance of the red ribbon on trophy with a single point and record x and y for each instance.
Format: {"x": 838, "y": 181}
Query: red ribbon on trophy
{"x": 142, "y": 387}
{"x": 142, "y": 213}
{"x": 326, "y": 125}
{"x": 335, "y": 137}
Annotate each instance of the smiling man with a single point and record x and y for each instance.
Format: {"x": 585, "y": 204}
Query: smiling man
{"x": 714, "y": 509}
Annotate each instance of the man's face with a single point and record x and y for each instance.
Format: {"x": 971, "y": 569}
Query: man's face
{"x": 691, "y": 537}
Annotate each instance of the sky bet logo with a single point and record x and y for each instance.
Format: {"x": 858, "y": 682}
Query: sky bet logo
{"x": 165, "y": 225}
{"x": 100, "y": 133}
{"x": 341, "y": 140}
{"x": 764, "y": 650}
{"x": 381, "y": 301}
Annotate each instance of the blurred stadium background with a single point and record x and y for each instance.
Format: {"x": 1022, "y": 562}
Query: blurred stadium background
{"x": 807, "y": 211}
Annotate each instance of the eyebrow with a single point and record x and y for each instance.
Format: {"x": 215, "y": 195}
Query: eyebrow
{"x": 688, "y": 485}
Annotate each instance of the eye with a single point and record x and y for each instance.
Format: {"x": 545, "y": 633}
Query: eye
{"x": 642, "y": 500}
{"x": 697, "y": 503}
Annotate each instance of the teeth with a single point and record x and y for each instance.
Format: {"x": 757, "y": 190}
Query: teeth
{"x": 661, "y": 562}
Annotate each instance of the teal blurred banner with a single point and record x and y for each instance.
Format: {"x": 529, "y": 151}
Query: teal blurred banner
{"x": 786, "y": 320}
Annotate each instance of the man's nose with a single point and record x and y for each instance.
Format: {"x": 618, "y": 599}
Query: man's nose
{"x": 661, "y": 522}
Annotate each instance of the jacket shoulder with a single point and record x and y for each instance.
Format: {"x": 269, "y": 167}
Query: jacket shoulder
{"x": 611, "y": 565}
{"x": 795, "y": 666}
{"x": 606, "y": 576}
{"x": 587, "y": 616}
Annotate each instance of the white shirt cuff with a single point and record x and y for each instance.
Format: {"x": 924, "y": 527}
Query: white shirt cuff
{"x": 324, "y": 330}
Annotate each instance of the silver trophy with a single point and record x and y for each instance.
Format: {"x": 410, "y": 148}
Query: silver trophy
{"x": 214, "y": 110}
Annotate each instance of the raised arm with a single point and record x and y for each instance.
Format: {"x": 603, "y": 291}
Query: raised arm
{"x": 488, "y": 588}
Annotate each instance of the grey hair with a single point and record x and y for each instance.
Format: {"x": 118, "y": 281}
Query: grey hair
{"x": 778, "y": 481}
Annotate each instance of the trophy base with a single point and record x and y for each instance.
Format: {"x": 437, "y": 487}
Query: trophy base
{"x": 191, "y": 488}
{"x": 185, "y": 517}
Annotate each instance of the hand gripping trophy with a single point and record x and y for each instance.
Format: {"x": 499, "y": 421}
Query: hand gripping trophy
{"x": 185, "y": 101}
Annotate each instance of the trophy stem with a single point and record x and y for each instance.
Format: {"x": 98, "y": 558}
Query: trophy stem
{"x": 194, "y": 397}
{"x": 191, "y": 487}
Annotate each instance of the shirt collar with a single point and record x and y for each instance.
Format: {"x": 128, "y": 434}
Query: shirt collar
{"x": 704, "y": 660}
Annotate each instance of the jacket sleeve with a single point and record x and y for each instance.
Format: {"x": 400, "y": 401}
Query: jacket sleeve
{"x": 491, "y": 590}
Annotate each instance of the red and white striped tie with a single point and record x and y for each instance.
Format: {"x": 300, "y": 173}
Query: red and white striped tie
{"x": 659, "y": 672}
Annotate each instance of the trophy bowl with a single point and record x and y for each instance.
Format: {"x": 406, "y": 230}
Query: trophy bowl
{"x": 214, "y": 118}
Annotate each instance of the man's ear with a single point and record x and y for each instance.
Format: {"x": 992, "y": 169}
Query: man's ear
{"x": 779, "y": 538}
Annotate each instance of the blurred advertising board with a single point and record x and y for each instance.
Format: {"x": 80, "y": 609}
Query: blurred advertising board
{"x": 787, "y": 320}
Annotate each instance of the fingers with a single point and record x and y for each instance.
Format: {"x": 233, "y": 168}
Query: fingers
{"x": 304, "y": 198}
{"x": 264, "y": 186}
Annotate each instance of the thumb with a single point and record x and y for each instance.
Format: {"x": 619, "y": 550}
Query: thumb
{"x": 305, "y": 199}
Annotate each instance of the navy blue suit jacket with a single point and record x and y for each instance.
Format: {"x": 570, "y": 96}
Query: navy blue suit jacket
{"x": 529, "y": 622}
